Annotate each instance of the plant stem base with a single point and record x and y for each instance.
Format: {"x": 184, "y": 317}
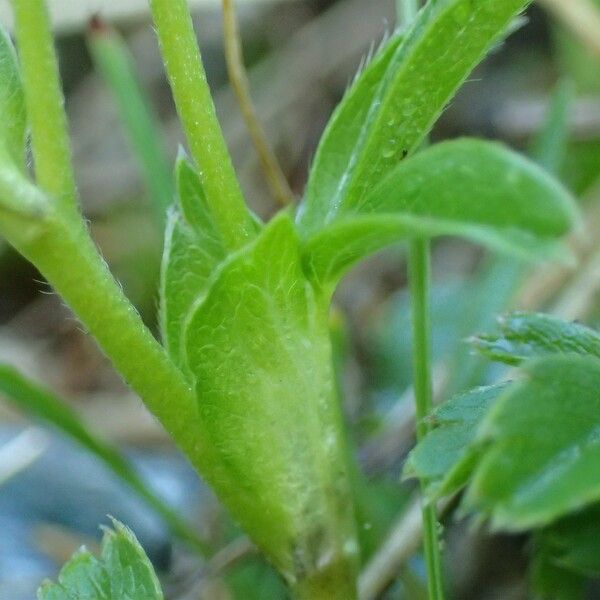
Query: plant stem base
{"x": 338, "y": 582}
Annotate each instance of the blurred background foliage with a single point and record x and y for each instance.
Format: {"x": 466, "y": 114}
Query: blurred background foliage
{"x": 301, "y": 55}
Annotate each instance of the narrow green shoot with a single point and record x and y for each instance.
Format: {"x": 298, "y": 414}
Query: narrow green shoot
{"x": 197, "y": 112}
{"x": 97, "y": 299}
{"x": 419, "y": 277}
{"x": 115, "y": 64}
{"x": 419, "y": 258}
{"x": 44, "y": 102}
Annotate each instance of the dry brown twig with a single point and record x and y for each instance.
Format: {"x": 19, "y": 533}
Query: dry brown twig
{"x": 239, "y": 82}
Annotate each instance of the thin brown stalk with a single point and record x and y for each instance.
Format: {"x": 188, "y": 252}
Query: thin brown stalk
{"x": 239, "y": 82}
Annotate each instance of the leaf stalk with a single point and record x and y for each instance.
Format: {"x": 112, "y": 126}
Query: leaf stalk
{"x": 420, "y": 275}
{"x": 197, "y": 112}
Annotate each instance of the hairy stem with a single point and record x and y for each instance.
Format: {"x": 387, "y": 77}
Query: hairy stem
{"x": 45, "y": 105}
{"x": 419, "y": 274}
{"x": 239, "y": 82}
{"x": 67, "y": 257}
{"x": 197, "y": 113}
{"x": 46, "y": 227}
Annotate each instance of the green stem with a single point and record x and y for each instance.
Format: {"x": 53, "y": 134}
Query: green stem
{"x": 419, "y": 273}
{"x": 68, "y": 258}
{"x": 196, "y": 110}
{"x": 45, "y": 105}
{"x": 48, "y": 230}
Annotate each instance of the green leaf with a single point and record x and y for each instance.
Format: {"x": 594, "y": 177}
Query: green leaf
{"x": 552, "y": 582}
{"x": 122, "y": 571}
{"x": 445, "y": 458}
{"x": 338, "y": 146}
{"x": 13, "y": 124}
{"x": 378, "y": 124}
{"x": 526, "y": 335}
{"x": 573, "y": 543}
{"x": 258, "y": 347}
{"x": 45, "y": 406}
{"x": 193, "y": 249}
{"x": 543, "y": 446}
{"x": 470, "y": 188}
